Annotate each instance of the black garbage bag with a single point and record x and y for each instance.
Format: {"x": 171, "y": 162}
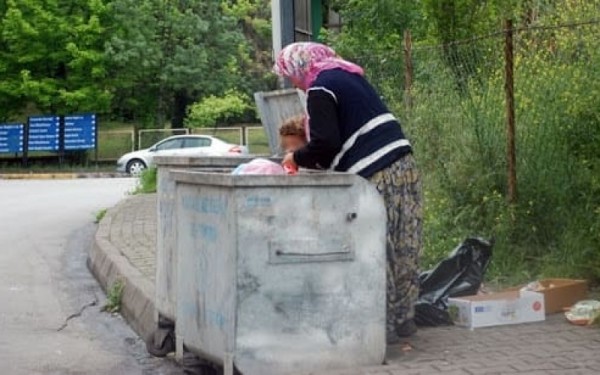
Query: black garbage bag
{"x": 461, "y": 274}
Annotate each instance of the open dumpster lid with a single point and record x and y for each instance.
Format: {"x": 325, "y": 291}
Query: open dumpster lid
{"x": 276, "y": 106}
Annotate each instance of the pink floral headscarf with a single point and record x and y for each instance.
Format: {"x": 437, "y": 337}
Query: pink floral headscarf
{"x": 303, "y": 62}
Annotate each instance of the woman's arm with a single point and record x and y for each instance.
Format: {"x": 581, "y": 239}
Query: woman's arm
{"x": 325, "y": 140}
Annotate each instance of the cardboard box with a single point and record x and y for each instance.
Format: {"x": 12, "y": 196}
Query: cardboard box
{"x": 495, "y": 309}
{"x": 560, "y": 294}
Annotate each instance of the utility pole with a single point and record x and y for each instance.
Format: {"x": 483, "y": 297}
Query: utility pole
{"x": 509, "y": 89}
{"x": 282, "y": 12}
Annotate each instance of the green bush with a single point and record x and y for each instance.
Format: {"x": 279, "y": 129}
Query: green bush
{"x": 212, "y": 109}
{"x": 147, "y": 182}
{"x": 460, "y": 140}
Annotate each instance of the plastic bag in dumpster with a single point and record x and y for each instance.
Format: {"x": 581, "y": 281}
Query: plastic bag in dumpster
{"x": 259, "y": 166}
{"x": 461, "y": 274}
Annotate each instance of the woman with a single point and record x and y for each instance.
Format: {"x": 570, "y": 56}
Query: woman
{"x": 351, "y": 130}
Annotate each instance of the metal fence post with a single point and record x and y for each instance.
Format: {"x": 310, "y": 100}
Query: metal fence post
{"x": 245, "y": 135}
{"x": 510, "y": 110}
{"x": 408, "y": 70}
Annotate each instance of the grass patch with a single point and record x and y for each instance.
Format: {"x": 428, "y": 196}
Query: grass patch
{"x": 147, "y": 182}
{"x": 457, "y": 124}
{"x": 100, "y": 215}
{"x": 258, "y": 143}
{"x": 113, "y": 144}
{"x": 114, "y": 297}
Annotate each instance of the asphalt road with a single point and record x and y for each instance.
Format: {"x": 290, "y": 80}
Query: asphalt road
{"x": 46, "y": 228}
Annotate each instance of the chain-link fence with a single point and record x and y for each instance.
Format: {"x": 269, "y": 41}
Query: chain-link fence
{"x": 456, "y": 102}
{"x": 112, "y": 144}
{"x": 233, "y": 135}
{"x": 252, "y": 136}
{"x": 148, "y": 137}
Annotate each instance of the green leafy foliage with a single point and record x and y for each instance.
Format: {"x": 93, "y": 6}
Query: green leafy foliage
{"x": 254, "y": 51}
{"x": 114, "y": 297}
{"x": 147, "y": 181}
{"x": 166, "y": 54}
{"x": 212, "y": 109}
{"x": 552, "y": 230}
{"x": 100, "y": 215}
{"x": 52, "y": 56}
{"x": 457, "y": 124}
{"x": 141, "y": 61}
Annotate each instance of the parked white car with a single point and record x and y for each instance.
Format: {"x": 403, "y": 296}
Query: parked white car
{"x": 180, "y": 145}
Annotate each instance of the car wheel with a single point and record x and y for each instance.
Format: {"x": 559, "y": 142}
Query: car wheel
{"x": 135, "y": 167}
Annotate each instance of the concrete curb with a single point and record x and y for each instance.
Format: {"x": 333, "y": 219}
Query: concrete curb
{"x": 59, "y": 176}
{"x": 108, "y": 265}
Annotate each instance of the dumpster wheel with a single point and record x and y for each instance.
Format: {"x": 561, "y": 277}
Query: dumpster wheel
{"x": 161, "y": 342}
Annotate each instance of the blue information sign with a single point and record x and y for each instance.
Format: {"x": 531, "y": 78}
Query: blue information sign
{"x": 44, "y": 133}
{"x": 80, "y": 132}
{"x": 11, "y": 138}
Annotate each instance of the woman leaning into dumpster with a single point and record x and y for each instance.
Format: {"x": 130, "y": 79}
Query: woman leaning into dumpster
{"x": 351, "y": 130}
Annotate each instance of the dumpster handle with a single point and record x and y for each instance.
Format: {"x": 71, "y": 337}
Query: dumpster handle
{"x": 310, "y": 250}
{"x": 284, "y": 253}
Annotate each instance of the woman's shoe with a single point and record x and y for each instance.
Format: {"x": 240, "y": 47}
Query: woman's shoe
{"x": 407, "y": 329}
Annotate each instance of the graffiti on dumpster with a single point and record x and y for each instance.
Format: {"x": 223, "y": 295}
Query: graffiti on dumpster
{"x": 215, "y": 318}
{"x": 256, "y": 201}
{"x": 205, "y": 232}
{"x": 205, "y": 205}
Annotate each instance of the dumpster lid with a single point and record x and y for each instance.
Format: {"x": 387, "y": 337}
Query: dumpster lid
{"x": 274, "y": 107}
{"x": 319, "y": 178}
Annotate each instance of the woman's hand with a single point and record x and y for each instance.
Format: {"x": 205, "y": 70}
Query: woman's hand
{"x": 288, "y": 160}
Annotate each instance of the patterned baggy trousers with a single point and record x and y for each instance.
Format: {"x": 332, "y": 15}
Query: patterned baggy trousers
{"x": 400, "y": 186}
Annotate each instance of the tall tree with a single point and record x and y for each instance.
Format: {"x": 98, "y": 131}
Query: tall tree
{"x": 371, "y": 35}
{"x": 52, "y": 56}
{"x": 376, "y": 25}
{"x": 255, "y": 51}
{"x": 165, "y": 54}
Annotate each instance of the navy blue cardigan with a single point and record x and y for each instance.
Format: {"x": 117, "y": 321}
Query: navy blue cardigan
{"x": 351, "y": 130}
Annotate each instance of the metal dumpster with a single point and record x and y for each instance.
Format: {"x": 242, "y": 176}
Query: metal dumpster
{"x": 280, "y": 274}
{"x": 162, "y": 340}
{"x": 166, "y": 275}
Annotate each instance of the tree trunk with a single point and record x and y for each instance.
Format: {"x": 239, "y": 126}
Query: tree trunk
{"x": 180, "y": 102}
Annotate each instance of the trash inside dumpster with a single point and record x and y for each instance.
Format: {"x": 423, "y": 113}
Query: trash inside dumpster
{"x": 280, "y": 274}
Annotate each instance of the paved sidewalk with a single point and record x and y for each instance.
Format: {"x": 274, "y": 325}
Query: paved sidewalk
{"x": 133, "y": 232}
{"x": 550, "y": 347}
